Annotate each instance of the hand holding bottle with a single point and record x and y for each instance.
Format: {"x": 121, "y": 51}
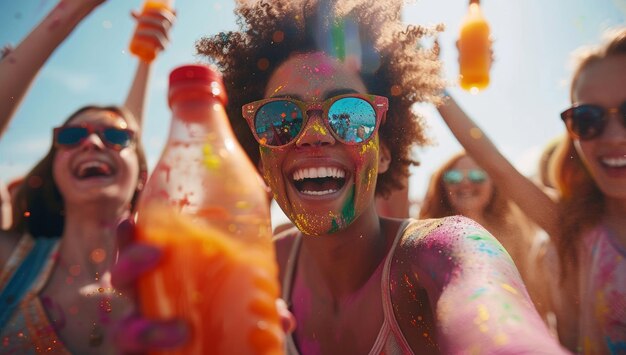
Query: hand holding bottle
{"x": 151, "y": 35}
{"x": 475, "y": 54}
{"x": 137, "y": 334}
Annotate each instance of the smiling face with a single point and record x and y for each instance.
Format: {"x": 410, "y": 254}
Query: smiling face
{"x": 93, "y": 172}
{"x": 466, "y": 197}
{"x": 602, "y": 83}
{"x": 322, "y": 185}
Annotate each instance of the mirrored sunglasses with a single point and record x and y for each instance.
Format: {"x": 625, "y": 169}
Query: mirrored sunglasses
{"x": 113, "y": 137}
{"x": 588, "y": 121}
{"x": 456, "y": 176}
{"x": 352, "y": 119}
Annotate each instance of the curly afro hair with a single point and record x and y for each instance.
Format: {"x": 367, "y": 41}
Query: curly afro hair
{"x": 271, "y": 31}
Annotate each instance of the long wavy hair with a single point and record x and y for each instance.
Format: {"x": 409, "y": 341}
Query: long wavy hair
{"x": 582, "y": 203}
{"x": 393, "y": 65}
{"x": 38, "y": 204}
{"x": 437, "y": 204}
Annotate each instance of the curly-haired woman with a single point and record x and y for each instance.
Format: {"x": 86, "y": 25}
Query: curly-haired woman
{"x": 357, "y": 282}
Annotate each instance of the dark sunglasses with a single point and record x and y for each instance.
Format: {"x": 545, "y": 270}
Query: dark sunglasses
{"x": 112, "y": 137}
{"x": 352, "y": 119}
{"x": 588, "y": 121}
{"x": 455, "y": 176}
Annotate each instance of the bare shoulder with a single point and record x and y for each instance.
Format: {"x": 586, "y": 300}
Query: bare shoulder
{"x": 447, "y": 232}
{"x": 8, "y": 242}
{"x": 450, "y": 243}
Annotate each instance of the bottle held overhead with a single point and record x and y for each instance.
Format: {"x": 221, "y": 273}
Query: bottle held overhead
{"x": 146, "y": 48}
{"x": 205, "y": 206}
{"x": 474, "y": 47}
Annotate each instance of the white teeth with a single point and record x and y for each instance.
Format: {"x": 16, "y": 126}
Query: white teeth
{"x": 320, "y": 172}
{"x": 318, "y": 193}
{"x": 615, "y": 162}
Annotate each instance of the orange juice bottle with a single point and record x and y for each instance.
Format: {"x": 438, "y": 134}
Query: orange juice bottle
{"x": 143, "y": 47}
{"x": 205, "y": 207}
{"x": 474, "y": 50}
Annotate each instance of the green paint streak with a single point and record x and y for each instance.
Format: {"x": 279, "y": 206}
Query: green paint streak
{"x": 477, "y": 237}
{"x": 347, "y": 213}
{"x": 339, "y": 39}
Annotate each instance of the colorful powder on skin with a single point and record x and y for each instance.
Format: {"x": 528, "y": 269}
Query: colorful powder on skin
{"x": 347, "y": 214}
{"x": 319, "y": 128}
{"x": 509, "y": 288}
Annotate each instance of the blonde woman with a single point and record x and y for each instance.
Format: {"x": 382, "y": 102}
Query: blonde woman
{"x": 586, "y": 222}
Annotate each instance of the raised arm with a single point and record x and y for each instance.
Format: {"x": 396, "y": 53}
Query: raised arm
{"x": 19, "y": 68}
{"x": 481, "y": 304}
{"x": 156, "y": 27}
{"x": 533, "y": 201}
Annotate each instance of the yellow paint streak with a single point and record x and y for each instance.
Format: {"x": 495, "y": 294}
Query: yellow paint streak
{"x": 280, "y": 87}
{"x": 509, "y": 288}
{"x": 501, "y": 339}
{"x": 371, "y": 145}
{"x": 319, "y": 128}
{"x": 476, "y": 133}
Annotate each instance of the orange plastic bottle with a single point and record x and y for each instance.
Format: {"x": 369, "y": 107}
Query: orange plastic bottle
{"x": 143, "y": 47}
{"x": 205, "y": 206}
{"x": 474, "y": 50}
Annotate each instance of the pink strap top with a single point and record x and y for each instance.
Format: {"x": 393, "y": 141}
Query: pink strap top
{"x": 390, "y": 339}
{"x": 602, "y": 294}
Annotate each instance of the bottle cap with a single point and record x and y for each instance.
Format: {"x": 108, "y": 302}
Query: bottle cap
{"x": 197, "y": 80}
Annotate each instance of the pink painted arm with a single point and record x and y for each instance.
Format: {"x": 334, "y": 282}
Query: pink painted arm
{"x": 481, "y": 304}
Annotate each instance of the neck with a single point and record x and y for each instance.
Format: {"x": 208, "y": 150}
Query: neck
{"x": 89, "y": 238}
{"x": 342, "y": 262}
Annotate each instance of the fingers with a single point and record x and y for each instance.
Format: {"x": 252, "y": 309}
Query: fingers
{"x": 287, "y": 320}
{"x": 134, "y": 260}
{"x": 155, "y": 37}
{"x": 139, "y": 335}
{"x": 153, "y": 26}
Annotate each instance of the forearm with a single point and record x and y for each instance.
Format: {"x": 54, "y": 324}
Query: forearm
{"x": 481, "y": 304}
{"x": 19, "y": 68}
{"x": 534, "y": 202}
{"x": 137, "y": 95}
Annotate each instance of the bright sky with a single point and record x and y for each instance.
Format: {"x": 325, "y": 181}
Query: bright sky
{"x": 519, "y": 111}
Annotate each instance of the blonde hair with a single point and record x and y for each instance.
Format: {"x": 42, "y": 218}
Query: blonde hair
{"x": 581, "y": 205}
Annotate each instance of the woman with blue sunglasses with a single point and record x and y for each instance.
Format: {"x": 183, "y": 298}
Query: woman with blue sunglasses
{"x": 586, "y": 221}
{"x": 55, "y": 285}
{"x": 357, "y": 282}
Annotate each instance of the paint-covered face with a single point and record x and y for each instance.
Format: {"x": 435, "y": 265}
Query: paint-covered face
{"x": 92, "y": 171}
{"x": 321, "y": 184}
{"x": 602, "y": 83}
{"x": 468, "y": 187}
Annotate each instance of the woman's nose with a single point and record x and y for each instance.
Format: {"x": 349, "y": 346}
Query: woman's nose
{"x": 93, "y": 141}
{"x": 315, "y": 132}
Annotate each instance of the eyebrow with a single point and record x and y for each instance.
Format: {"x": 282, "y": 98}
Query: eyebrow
{"x": 327, "y": 94}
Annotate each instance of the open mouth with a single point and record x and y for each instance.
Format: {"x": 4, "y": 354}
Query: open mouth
{"x": 319, "y": 181}
{"x": 614, "y": 162}
{"x": 93, "y": 169}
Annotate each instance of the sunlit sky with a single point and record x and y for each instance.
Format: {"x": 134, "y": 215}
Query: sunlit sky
{"x": 519, "y": 111}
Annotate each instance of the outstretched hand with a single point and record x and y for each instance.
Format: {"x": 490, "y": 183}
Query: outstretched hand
{"x": 136, "y": 333}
